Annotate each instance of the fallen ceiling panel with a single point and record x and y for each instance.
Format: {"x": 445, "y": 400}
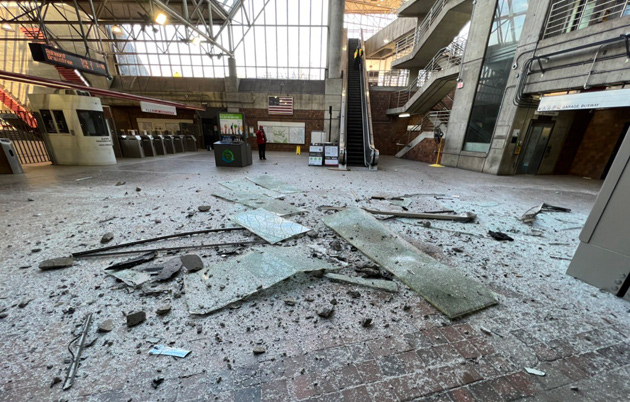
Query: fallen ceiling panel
{"x": 227, "y": 282}
{"x": 268, "y": 225}
{"x": 271, "y": 183}
{"x": 448, "y": 290}
{"x": 278, "y": 207}
{"x": 247, "y": 187}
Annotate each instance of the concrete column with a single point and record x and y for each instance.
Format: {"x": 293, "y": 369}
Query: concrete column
{"x": 336, "y": 10}
{"x": 232, "y": 67}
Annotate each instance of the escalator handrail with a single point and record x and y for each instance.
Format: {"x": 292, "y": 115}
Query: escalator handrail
{"x": 343, "y": 120}
{"x": 370, "y": 152}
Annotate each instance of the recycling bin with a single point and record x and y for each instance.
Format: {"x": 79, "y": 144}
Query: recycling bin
{"x": 158, "y": 144}
{"x": 131, "y": 146}
{"x": 168, "y": 144}
{"x": 147, "y": 145}
{"x": 190, "y": 143}
{"x": 9, "y": 162}
{"x": 178, "y": 143}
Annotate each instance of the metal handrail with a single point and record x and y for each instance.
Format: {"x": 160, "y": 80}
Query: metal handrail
{"x": 449, "y": 56}
{"x": 342, "y": 113}
{"x": 370, "y": 152}
{"x": 423, "y": 27}
{"x": 566, "y": 16}
{"x": 388, "y": 78}
{"x": 428, "y": 123}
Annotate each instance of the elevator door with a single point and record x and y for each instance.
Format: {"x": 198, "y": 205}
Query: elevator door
{"x": 536, "y": 144}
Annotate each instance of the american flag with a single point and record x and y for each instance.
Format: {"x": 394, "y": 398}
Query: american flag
{"x": 280, "y": 105}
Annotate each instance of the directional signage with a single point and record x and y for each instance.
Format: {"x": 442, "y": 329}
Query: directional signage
{"x": 57, "y": 57}
{"x": 585, "y": 100}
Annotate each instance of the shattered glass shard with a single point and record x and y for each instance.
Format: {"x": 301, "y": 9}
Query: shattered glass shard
{"x": 381, "y": 284}
{"x": 278, "y": 207}
{"x": 247, "y": 187}
{"x": 450, "y": 291}
{"x": 268, "y": 225}
{"x": 130, "y": 277}
{"x": 227, "y": 282}
{"x": 403, "y": 202}
{"x": 271, "y": 183}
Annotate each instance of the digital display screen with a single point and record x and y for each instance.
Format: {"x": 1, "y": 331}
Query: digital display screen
{"x": 48, "y": 54}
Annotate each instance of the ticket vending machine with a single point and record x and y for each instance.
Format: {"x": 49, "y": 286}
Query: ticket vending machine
{"x": 74, "y": 127}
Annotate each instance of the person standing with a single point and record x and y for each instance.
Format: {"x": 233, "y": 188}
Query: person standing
{"x": 261, "y": 140}
{"x": 358, "y": 55}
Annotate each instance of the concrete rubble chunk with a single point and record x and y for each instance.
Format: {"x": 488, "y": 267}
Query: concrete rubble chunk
{"x": 24, "y": 302}
{"x": 326, "y": 312}
{"x": 448, "y": 290}
{"x": 171, "y": 267}
{"x": 56, "y": 263}
{"x": 192, "y": 262}
{"x": 236, "y": 278}
{"x": 107, "y": 237}
{"x": 381, "y": 284}
{"x": 163, "y": 310}
{"x": 204, "y": 208}
{"x": 106, "y": 326}
{"x": 259, "y": 350}
{"x": 136, "y": 318}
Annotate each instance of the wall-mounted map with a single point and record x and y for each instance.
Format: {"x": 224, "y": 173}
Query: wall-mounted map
{"x": 284, "y": 132}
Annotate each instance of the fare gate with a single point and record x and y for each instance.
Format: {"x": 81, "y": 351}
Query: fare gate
{"x": 27, "y": 142}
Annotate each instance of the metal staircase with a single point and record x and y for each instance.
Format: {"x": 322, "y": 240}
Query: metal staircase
{"x": 416, "y": 134}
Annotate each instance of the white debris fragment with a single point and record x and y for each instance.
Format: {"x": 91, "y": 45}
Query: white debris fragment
{"x": 535, "y": 372}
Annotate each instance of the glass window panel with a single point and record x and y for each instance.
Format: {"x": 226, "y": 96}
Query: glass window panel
{"x": 272, "y": 50}
{"x": 250, "y": 72}
{"x": 305, "y": 53}
{"x": 305, "y": 11}
{"x": 261, "y": 72}
{"x": 283, "y": 72}
{"x": 270, "y": 13}
{"x": 259, "y": 35}
{"x": 282, "y": 12}
{"x": 197, "y": 71}
{"x": 187, "y": 71}
{"x": 293, "y": 44}
{"x": 316, "y": 12}
{"x": 494, "y": 75}
{"x": 283, "y": 47}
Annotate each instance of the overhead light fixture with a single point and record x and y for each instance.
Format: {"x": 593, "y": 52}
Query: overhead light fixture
{"x": 116, "y": 29}
{"x": 196, "y": 40}
{"x": 404, "y": 115}
{"x": 7, "y": 27}
{"x": 386, "y": 41}
{"x": 160, "y": 18}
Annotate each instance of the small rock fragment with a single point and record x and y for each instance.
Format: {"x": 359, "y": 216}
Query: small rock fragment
{"x": 258, "y": 350}
{"x": 136, "y": 318}
{"x": 192, "y": 262}
{"x": 203, "y": 208}
{"x": 55, "y": 263}
{"x": 107, "y": 237}
{"x": 163, "y": 310}
{"x": 24, "y": 302}
{"x": 138, "y": 189}
{"x": 354, "y": 294}
{"x": 157, "y": 381}
{"x": 121, "y": 183}
{"x": 55, "y": 381}
{"x": 326, "y": 312}
{"x": 289, "y": 302}
{"x": 366, "y": 322}
{"x": 106, "y": 326}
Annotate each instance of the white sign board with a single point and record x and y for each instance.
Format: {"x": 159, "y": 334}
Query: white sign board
{"x": 159, "y": 109}
{"x": 587, "y": 100}
{"x": 284, "y": 132}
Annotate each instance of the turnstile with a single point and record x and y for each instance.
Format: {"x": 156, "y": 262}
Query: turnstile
{"x": 9, "y": 162}
{"x": 131, "y": 146}
{"x": 168, "y": 144}
{"x": 190, "y": 143}
{"x": 178, "y": 143}
{"x": 147, "y": 145}
{"x": 158, "y": 143}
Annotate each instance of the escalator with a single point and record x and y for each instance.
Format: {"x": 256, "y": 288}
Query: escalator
{"x": 359, "y": 142}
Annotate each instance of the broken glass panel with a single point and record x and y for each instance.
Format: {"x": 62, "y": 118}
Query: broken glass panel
{"x": 403, "y": 202}
{"x": 224, "y": 283}
{"x": 447, "y": 289}
{"x": 278, "y": 207}
{"x": 271, "y": 183}
{"x": 247, "y": 187}
{"x": 268, "y": 225}
{"x": 130, "y": 277}
{"x": 381, "y": 284}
